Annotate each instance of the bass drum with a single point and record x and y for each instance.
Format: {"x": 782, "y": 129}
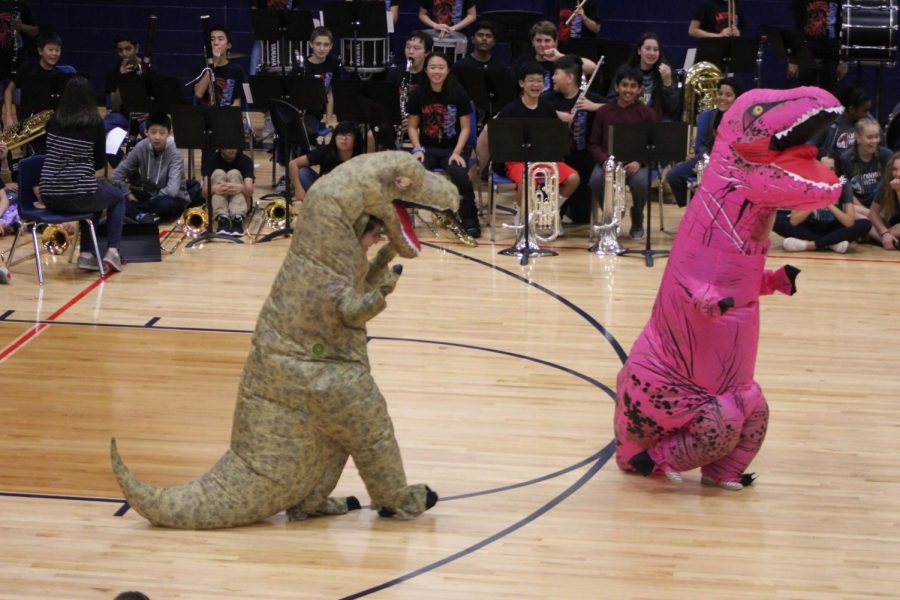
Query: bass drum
{"x": 869, "y": 31}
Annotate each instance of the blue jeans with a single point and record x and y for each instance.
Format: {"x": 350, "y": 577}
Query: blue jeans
{"x": 639, "y": 183}
{"x": 108, "y": 197}
{"x": 678, "y": 179}
{"x": 307, "y": 177}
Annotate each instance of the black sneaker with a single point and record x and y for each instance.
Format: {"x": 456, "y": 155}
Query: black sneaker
{"x": 224, "y": 224}
{"x": 637, "y": 233}
{"x": 237, "y": 226}
{"x": 146, "y": 218}
{"x": 472, "y": 227}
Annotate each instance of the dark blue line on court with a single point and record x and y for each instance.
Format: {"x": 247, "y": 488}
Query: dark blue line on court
{"x": 605, "y": 455}
{"x": 129, "y": 326}
{"x": 152, "y": 322}
{"x": 541, "y": 361}
{"x": 6, "y": 314}
{"x": 58, "y": 497}
{"x": 578, "y": 310}
{"x": 122, "y": 510}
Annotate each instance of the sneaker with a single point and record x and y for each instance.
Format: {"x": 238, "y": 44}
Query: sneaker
{"x": 793, "y": 245}
{"x": 237, "y": 226}
{"x": 146, "y": 218}
{"x": 840, "y": 247}
{"x": 734, "y": 486}
{"x": 472, "y": 227}
{"x": 5, "y": 275}
{"x": 112, "y": 260}
{"x": 637, "y": 233}
{"x": 88, "y": 262}
{"x": 224, "y": 224}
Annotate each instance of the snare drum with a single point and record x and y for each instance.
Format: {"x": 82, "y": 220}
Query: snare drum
{"x": 273, "y": 56}
{"x": 453, "y": 44}
{"x": 869, "y": 31}
{"x": 365, "y": 56}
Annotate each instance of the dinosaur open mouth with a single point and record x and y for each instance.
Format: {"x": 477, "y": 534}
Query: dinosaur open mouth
{"x": 805, "y": 128}
{"x": 406, "y": 227}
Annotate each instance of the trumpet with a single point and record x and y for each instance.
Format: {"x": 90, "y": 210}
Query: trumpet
{"x": 193, "y": 222}
{"x": 545, "y": 222}
{"x": 56, "y": 239}
{"x": 606, "y": 227}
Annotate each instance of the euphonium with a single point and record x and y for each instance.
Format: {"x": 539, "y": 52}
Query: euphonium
{"x": 55, "y": 238}
{"x": 543, "y": 201}
{"x": 700, "y": 84}
{"x": 31, "y": 128}
{"x": 276, "y": 213}
{"x": 607, "y": 229}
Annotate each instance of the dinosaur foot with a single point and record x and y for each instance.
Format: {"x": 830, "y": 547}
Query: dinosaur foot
{"x": 431, "y": 499}
{"x": 645, "y": 465}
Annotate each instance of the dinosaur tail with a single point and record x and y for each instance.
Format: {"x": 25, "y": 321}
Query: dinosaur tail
{"x": 230, "y": 494}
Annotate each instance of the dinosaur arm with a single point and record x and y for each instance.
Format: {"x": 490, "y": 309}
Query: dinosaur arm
{"x": 378, "y": 266}
{"x": 783, "y": 280}
{"x": 357, "y": 307}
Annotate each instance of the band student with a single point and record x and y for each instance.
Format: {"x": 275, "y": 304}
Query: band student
{"x": 447, "y": 15}
{"x": 34, "y": 73}
{"x": 577, "y": 19}
{"x": 323, "y": 65}
{"x": 16, "y": 36}
{"x": 544, "y": 38}
{"x": 129, "y": 67}
{"x": 229, "y": 76}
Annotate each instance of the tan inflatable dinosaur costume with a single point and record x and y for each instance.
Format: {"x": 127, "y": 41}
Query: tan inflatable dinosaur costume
{"x": 307, "y": 400}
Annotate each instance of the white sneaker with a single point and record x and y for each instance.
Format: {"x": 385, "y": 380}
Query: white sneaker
{"x": 840, "y": 247}
{"x": 793, "y": 245}
{"x": 734, "y": 486}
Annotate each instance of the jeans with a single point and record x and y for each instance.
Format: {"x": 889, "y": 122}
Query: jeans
{"x": 678, "y": 179}
{"x": 108, "y": 197}
{"x": 823, "y": 234}
{"x": 639, "y": 183}
{"x": 438, "y": 158}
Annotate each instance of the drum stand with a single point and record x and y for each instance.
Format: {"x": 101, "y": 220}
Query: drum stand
{"x": 356, "y": 19}
{"x": 274, "y": 25}
{"x": 527, "y": 141}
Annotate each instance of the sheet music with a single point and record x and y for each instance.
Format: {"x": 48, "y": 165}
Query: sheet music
{"x": 114, "y": 140}
{"x": 689, "y": 58}
{"x": 248, "y": 95}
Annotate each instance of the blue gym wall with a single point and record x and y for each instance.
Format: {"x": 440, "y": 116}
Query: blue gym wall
{"x": 87, "y": 28}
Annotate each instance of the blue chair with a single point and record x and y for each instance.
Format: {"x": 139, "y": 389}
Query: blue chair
{"x": 35, "y": 218}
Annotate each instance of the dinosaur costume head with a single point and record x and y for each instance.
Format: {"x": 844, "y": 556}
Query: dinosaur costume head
{"x": 761, "y": 162}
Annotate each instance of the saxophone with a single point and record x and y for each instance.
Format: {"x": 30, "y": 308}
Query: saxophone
{"x": 32, "y": 128}
{"x": 404, "y": 97}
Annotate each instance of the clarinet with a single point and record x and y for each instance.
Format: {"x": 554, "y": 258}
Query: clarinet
{"x": 210, "y": 61}
{"x": 16, "y": 15}
{"x": 148, "y": 46}
{"x": 404, "y": 97}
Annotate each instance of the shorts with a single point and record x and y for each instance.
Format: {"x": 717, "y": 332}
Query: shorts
{"x": 514, "y": 172}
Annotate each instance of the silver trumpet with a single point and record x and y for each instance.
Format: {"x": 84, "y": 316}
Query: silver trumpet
{"x": 606, "y": 229}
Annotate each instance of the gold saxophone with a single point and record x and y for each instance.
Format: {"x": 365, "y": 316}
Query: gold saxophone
{"x": 30, "y": 129}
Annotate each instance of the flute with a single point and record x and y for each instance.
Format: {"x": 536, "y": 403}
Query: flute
{"x": 584, "y": 89}
{"x": 572, "y": 16}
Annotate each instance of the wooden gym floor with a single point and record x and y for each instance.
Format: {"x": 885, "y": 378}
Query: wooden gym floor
{"x": 499, "y": 380}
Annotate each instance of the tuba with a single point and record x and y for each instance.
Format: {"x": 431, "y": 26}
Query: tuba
{"x": 192, "y": 223}
{"x": 55, "y": 238}
{"x": 607, "y": 227}
{"x": 700, "y": 84}
{"x": 542, "y": 180}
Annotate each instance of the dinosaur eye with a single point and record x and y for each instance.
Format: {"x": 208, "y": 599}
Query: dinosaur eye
{"x": 757, "y": 110}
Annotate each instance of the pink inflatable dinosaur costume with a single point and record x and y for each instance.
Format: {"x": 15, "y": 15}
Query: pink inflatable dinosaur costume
{"x": 686, "y": 397}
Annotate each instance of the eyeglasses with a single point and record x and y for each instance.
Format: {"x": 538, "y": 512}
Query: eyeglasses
{"x": 534, "y": 79}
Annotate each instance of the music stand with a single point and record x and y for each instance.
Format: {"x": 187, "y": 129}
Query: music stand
{"x": 207, "y": 128}
{"x": 527, "y": 141}
{"x": 44, "y": 93}
{"x": 356, "y": 19}
{"x": 731, "y": 54}
{"x": 369, "y": 103}
{"x": 489, "y": 89}
{"x": 512, "y": 27}
{"x": 650, "y": 144}
{"x": 281, "y": 26}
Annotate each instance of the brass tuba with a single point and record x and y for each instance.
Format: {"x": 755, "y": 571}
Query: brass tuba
{"x": 700, "y": 84}
{"x": 56, "y": 239}
{"x": 32, "y": 128}
{"x": 606, "y": 227}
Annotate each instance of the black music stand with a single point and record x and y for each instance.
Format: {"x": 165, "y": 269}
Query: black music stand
{"x": 512, "y": 27}
{"x": 356, "y": 19}
{"x": 650, "y": 144}
{"x": 281, "y": 26}
{"x": 731, "y": 54}
{"x": 369, "y": 103}
{"x": 44, "y": 93}
{"x": 489, "y": 89}
{"x": 207, "y": 128}
{"x": 527, "y": 141}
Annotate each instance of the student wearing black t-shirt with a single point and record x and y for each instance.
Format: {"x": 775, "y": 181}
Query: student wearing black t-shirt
{"x": 439, "y": 126}
{"x": 544, "y": 40}
{"x": 322, "y": 65}
{"x": 447, "y": 15}
{"x": 530, "y": 105}
{"x": 34, "y": 76}
{"x": 711, "y": 20}
{"x": 479, "y": 62}
{"x": 229, "y": 77}
{"x": 577, "y": 20}
{"x": 128, "y": 69}
{"x": 14, "y": 32}
{"x": 818, "y": 24}
{"x": 578, "y": 111}
{"x": 346, "y": 142}
{"x": 231, "y": 178}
